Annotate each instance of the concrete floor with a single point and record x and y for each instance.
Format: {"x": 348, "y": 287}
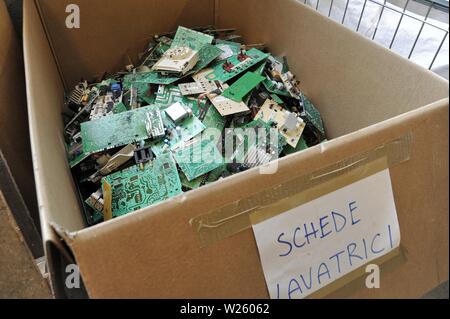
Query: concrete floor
{"x": 19, "y": 276}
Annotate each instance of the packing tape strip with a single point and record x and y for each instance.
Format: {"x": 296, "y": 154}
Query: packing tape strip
{"x": 240, "y": 215}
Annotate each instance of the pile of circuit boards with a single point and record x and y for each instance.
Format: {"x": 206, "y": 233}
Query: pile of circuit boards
{"x": 161, "y": 128}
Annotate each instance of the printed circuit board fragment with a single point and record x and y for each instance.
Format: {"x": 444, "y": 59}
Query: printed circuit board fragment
{"x": 136, "y": 188}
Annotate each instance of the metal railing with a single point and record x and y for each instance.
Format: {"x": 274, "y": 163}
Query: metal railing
{"x": 380, "y": 10}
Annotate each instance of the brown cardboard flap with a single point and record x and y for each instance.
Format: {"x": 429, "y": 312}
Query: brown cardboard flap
{"x": 352, "y": 80}
{"x": 111, "y": 30}
{"x": 355, "y": 83}
{"x": 14, "y": 137}
{"x": 168, "y": 261}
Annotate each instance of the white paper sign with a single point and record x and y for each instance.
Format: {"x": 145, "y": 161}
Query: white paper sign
{"x": 310, "y": 246}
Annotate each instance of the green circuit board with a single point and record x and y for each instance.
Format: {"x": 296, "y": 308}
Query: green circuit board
{"x": 300, "y": 147}
{"x": 219, "y": 73}
{"x": 176, "y": 134}
{"x": 119, "y": 108}
{"x": 199, "y": 158}
{"x": 115, "y": 130}
{"x": 213, "y": 119}
{"x": 273, "y": 89}
{"x": 133, "y": 189}
{"x": 133, "y": 79}
{"x": 170, "y": 94}
{"x": 228, "y": 46}
{"x": 207, "y": 54}
{"x": 193, "y": 39}
{"x": 267, "y": 137}
{"x": 194, "y": 184}
{"x": 244, "y": 85}
{"x": 313, "y": 115}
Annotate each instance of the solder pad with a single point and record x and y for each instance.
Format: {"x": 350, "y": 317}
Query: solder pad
{"x": 133, "y": 189}
{"x": 198, "y": 158}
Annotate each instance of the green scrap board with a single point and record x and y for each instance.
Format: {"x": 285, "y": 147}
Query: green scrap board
{"x": 244, "y": 85}
{"x": 78, "y": 159}
{"x": 168, "y": 95}
{"x": 213, "y": 119}
{"x": 300, "y": 147}
{"x": 114, "y": 130}
{"x": 208, "y": 178}
{"x": 207, "y": 54}
{"x": 193, "y": 39}
{"x": 96, "y": 216}
{"x": 187, "y": 130}
{"x": 256, "y": 125}
{"x": 277, "y": 99}
{"x": 234, "y": 47}
{"x": 119, "y": 108}
{"x": 273, "y": 90}
{"x": 259, "y": 69}
{"x": 194, "y": 184}
{"x": 199, "y": 158}
{"x": 218, "y": 72}
{"x": 313, "y": 115}
{"x": 133, "y": 189}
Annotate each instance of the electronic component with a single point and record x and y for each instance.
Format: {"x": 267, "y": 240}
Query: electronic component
{"x": 289, "y": 124}
{"x": 133, "y": 188}
{"x": 195, "y": 88}
{"x": 225, "y": 71}
{"x": 198, "y": 158}
{"x": 226, "y": 106}
{"x": 243, "y": 86}
{"x": 178, "y": 60}
{"x": 291, "y": 84}
{"x": 155, "y": 125}
{"x": 143, "y": 155}
{"x": 177, "y": 112}
{"x": 110, "y": 164}
{"x": 95, "y": 201}
{"x": 177, "y": 134}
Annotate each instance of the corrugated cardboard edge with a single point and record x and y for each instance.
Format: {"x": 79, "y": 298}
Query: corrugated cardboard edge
{"x": 84, "y": 237}
{"x": 267, "y": 203}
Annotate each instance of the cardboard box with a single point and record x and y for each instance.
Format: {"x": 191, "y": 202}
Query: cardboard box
{"x": 368, "y": 96}
{"x": 16, "y": 168}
